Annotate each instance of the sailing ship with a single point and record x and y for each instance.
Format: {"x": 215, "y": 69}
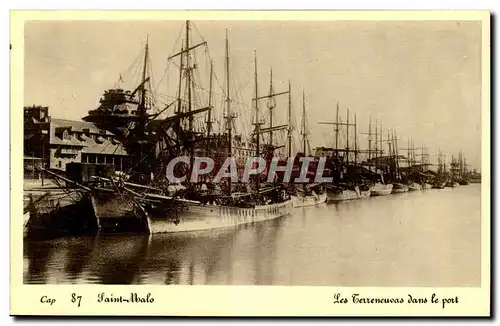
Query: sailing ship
{"x": 440, "y": 178}
{"x": 375, "y": 162}
{"x": 425, "y": 175}
{"x": 117, "y": 198}
{"x": 411, "y": 175}
{"x": 348, "y": 183}
{"x": 462, "y": 172}
{"x": 232, "y": 208}
{"x": 454, "y": 169}
{"x": 309, "y": 194}
{"x": 474, "y": 177}
{"x": 63, "y": 211}
{"x": 398, "y": 185}
{"x": 143, "y": 199}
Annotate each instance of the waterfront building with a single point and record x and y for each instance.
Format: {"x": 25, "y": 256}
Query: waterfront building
{"x": 53, "y": 143}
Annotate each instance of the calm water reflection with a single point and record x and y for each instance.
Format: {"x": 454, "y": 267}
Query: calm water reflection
{"x": 430, "y": 238}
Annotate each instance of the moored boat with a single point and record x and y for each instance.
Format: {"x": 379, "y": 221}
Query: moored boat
{"x": 338, "y": 193}
{"x": 300, "y": 200}
{"x": 220, "y": 209}
{"x": 198, "y": 216}
{"x": 426, "y": 186}
{"x": 26, "y": 218}
{"x": 399, "y": 188}
{"x": 413, "y": 186}
{"x": 438, "y": 184}
{"x": 380, "y": 189}
{"x": 68, "y": 220}
{"x": 61, "y": 211}
{"x": 117, "y": 212}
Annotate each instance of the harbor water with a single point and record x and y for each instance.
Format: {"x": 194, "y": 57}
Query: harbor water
{"x": 421, "y": 238}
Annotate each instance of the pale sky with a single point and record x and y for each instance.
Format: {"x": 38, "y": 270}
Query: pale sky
{"x": 421, "y": 78}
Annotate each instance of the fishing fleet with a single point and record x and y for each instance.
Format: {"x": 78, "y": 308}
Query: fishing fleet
{"x": 192, "y": 169}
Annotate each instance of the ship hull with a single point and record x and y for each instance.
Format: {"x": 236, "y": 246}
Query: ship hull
{"x": 69, "y": 219}
{"x": 380, "y": 189}
{"x": 414, "y": 187}
{"x": 399, "y": 188}
{"x": 310, "y": 200}
{"x": 426, "y": 186}
{"x": 339, "y": 195}
{"x": 49, "y": 200}
{"x": 117, "y": 213}
{"x": 439, "y": 185}
{"x": 26, "y": 218}
{"x": 198, "y": 217}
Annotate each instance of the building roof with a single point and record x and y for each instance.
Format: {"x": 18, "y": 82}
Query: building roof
{"x": 106, "y": 147}
{"x": 79, "y": 126}
{"x": 89, "y": 145}
{"x": 54, "y": 140}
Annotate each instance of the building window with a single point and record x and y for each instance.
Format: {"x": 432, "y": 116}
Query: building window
{"x": 59, "y": 164}
{"x": 66, "y": 135}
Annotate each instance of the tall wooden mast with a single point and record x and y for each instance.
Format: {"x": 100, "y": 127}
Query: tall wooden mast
{"x": 289, "y": 136}
{"x": 337, "y": 132}
{"x": 271, "y": 104}
{"x": 337, "y": 125}
{"x": 209, "y": 118}
{"x": 355, "y": 139}
{"x": 188, "y": 82}
{"x": 390, "y": 158}
{"x": 376, "y": 140}
{"x": 396, "y": 152}
{"x": 347, "y": 138}
{"x": 370, "y": 139}
{"x": 408, "y": 156}
{"x": 229, "y": 114}
{"x": 304, "y": 129}
{"x": 257, "y": 117}
{"x": 381, "y": 133}
{"x": 185, "y": 69}
{"x": 304, "y": 126}
{"x": 142, "y": 106}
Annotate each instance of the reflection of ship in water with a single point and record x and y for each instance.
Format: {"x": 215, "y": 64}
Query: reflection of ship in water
{"x": 68, "y": 256}
{"x": 36, "y": 261}
{"x": 203, "y": 257}
{"x": 206, "y": 257}
{"x": 113, "y": 260}
{"x": 118, "y": 260}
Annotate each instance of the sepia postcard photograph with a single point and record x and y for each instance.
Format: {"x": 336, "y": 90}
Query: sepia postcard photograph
{"x": 272, "y": 163}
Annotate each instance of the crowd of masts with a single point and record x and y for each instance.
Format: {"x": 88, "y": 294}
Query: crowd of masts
{"x": 348, "y": 154}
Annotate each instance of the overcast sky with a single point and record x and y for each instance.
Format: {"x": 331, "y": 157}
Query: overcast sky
{"x": 421, "y": 78}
